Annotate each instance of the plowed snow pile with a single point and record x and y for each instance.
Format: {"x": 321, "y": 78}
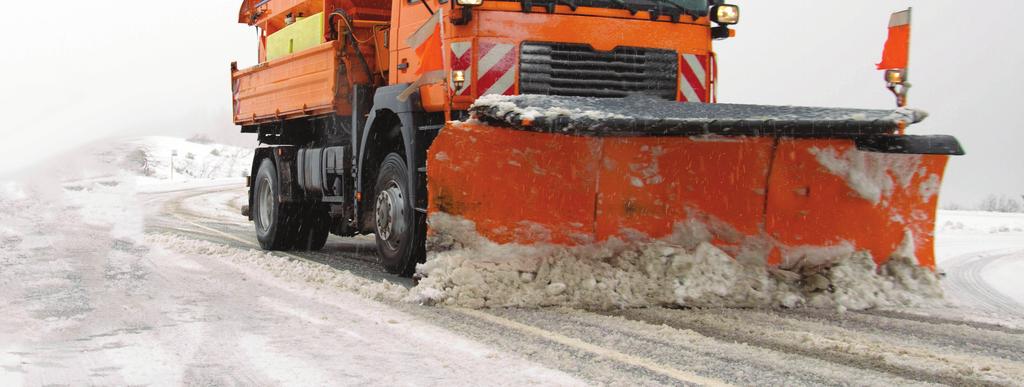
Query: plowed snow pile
{"x": 466, "y": 269}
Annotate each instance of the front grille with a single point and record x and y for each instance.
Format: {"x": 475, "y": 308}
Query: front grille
{"x": 579, "y": 70}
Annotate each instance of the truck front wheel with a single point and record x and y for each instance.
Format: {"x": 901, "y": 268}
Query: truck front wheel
{"x": 401, "y": 231}
{"x": 272, "y": 218}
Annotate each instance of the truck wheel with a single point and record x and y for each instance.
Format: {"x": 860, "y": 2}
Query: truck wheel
{"x": 272, "y": 218}
{"x": 314, "y": 227}
{"x": 401, "y": 231}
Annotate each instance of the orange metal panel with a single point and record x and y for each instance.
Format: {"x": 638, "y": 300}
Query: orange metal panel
{"x": 769, "y": 198}
{"x": 650, "y": 184}
{"x": 604, "y": 29}
{"x": 518, "y": 186}
{"x": 810, "y": 204}
{"x": 603, "y": 33}
{"x": 511, "y": 6}
{"x": 410, "y": 17}
{"x": 296, "y": 85}
{"x": 587, "y": 188}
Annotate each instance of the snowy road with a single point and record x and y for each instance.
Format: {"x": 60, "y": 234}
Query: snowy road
{"x": 671, "y": 346}
{"x": 967, "y": 282}
{"x": 190, "y": 301}
{"x": 983, "y": 256}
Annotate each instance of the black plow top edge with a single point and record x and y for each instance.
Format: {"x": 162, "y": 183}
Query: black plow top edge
{"x": 874, "y": 130}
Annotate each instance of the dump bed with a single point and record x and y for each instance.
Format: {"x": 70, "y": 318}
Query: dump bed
{"x": 301, "y": 84}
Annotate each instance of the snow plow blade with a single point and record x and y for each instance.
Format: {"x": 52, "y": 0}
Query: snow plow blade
{"x": 772, "y": 183}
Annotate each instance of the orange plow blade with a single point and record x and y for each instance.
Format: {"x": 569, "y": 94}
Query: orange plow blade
{"x": 769, "y": 197}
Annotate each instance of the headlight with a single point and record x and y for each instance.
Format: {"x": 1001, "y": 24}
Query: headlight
{"x": 469, "y": 3}
{"x": 895, "y": 77}
{"x": 458, "y": 79}
{"x": 725, "y": 14}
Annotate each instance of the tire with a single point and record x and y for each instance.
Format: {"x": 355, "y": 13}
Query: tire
{"x": 273, "y": 220}
{"x": 401, "y": 230}
{"x": 314, "y": 226}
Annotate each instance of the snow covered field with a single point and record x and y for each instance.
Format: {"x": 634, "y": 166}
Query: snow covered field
{"x": 117, "y": 275}
{"x": 961, "y": 232}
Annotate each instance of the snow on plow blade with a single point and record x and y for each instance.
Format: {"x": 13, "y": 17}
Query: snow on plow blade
{"x": 780, "y": 184}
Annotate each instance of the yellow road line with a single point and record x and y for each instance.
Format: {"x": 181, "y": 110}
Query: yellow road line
{"x": 597, "y": 350}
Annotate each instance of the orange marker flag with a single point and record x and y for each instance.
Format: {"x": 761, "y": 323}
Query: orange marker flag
{"x": 897, "y": 47}
{"x": 430, "y": 50}
{"x": 427, "y": 43}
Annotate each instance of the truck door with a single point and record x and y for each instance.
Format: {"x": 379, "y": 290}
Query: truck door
{"x": 410, "y": 15}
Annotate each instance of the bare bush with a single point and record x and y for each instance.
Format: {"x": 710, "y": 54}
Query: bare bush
{"x": 138, "y": 161}
{"x": 1000, "y": 203}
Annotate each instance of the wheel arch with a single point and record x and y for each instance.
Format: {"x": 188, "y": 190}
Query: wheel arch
{"x": 390, "y": 127}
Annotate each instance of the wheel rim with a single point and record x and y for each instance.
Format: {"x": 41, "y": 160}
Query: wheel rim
{"x": 390, "y": 215}
{"x": 265, "y": 199}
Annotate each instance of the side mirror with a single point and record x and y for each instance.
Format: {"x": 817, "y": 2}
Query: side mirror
{"x": 464, "y": 15}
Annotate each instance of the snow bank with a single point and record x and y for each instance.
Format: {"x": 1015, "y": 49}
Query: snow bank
{"x": 152, "y": 159}
{"x": 466, "y": 269}
{"x": 979, "y": 222}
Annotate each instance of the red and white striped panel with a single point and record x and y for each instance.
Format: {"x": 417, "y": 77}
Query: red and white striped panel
{"x": 496, "y": 69}
{"x": 462, "y": 59}
{"x": 693, "y": 79}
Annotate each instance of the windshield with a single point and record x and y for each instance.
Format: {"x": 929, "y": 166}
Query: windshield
{"x": 672, "y": 8}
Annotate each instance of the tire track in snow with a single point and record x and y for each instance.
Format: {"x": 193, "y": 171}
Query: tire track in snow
{"x": 637, "y": 361}
{"x": 727, "y": 360}
{"x": 965, "y": 280}
{"x": 973, "y": 338}
{"x": 822, "y": 340}
{"x": 911, "y": 316}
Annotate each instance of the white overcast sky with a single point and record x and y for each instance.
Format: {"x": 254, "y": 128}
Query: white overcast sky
{"x": 84, "y": 71}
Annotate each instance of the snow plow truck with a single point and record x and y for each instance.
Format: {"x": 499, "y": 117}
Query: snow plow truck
{"x": 558, "y": 121}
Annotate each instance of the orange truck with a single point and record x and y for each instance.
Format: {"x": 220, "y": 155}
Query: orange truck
{"x": 557, "y": 121}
